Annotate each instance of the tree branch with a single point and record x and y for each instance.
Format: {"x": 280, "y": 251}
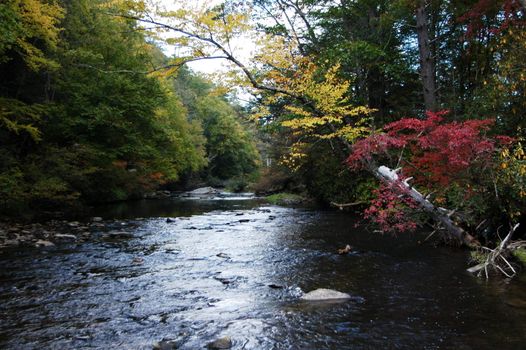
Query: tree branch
{"x": 168, "y": 66}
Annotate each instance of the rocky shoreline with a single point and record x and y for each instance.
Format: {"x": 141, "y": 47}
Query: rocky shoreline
{"x": 54, "y": 232}
{"x": 48, "y": 234}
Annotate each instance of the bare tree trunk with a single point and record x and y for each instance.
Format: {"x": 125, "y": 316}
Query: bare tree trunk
{"x": 438, "y": 214}
{"x": 427, "y": 62}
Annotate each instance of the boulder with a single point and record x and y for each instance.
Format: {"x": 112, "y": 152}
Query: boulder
{"x": 204, "y": 191}
{"x": 323, "y": 294}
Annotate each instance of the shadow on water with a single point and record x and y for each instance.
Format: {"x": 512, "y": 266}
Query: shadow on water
{"x": 236, "y": 268}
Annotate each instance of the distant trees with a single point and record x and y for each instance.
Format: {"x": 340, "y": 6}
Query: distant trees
{"x": 80, "y": 118}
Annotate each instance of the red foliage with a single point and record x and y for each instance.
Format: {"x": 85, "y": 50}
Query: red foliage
{"x": 508, "y": 10}
{"x": 364, "y": 150}
{"x": 388, "y": 211}
{"x": 439, "y": 152}
{"x": 436, "y": 154}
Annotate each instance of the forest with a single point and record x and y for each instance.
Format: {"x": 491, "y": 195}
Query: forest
{"x": 94, "y": 110}
{"x": 82, "y": 121}
{"x": 262, "y": 174}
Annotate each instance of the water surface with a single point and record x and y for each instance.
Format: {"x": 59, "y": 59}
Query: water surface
{"x": 236, "y": 268}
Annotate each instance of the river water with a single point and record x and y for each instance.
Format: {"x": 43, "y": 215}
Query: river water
{"x": 236, "y": 268}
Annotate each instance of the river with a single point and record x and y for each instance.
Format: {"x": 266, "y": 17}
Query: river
{"x": 235, "y": 268}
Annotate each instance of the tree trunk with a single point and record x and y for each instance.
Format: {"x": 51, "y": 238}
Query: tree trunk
{"x": 427, "y": 62}
{"x": 438, "y": 214}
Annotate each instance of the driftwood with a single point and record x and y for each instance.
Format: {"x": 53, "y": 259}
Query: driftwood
{"x": 346, "y": 250}
{"x": 496, "y": 258}
{"x": 439, "y": 215}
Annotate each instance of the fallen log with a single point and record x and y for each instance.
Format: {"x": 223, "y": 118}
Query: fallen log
{"x": 439, "y": 215}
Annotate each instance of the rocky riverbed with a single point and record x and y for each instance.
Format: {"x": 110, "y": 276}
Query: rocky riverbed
{"x": 51, "y": 233}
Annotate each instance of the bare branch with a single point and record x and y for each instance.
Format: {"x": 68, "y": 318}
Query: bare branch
{"x": 227, "y": 55}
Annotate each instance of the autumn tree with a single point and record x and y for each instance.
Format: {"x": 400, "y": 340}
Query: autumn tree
{"x": 85, "y": 121}
{"x": 29, "y": 30}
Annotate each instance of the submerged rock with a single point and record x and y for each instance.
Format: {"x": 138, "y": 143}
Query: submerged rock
{"x": 275, "y": 286}
{"x": 165, "y": 345}
{"x": 221, "y": 343}
{"x": 322, "y": 294}
{"x": 118, "y": 234}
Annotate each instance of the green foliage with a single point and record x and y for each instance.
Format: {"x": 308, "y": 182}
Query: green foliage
{"x": 18, "y": 117}
{"x": 92, "y": 126}
{"x": 520, "y": 254}
{"x": 511, "y": 180}
{"x": 478, "y": 256}
{"x": 237, "y": 184}
{"x": 27, "y": 27}
{"x": 285, "y": 198}
{"x": 230, "y": 148}
{"x": 12, "y": 189}
{"x": 329, "y": 180}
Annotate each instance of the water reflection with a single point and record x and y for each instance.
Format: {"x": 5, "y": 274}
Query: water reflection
{"x": 208, "y": 274}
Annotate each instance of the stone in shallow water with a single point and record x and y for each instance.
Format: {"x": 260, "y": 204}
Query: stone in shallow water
{"x": 204, "y": 191}
{"x": 65, "y": 237}
{"x": 221, "y": 343}
{"x": 118, "y": 234}
{"x": 166, "y": 345}
{"x": 43, "y": 243}
{"x": 325, "y": 294}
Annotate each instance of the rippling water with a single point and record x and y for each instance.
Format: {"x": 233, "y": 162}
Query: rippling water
{"x": 236, "y": 268}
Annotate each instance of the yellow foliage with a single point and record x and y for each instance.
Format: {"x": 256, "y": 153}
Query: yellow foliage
{"x": 317, "y": 108}
{"x": 40, "y": 22}
{"x": 328, "y": 115}
{"x": 512, "y": 172}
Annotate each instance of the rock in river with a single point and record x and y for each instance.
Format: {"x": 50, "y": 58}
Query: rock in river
{"x": 204, "y": 191}
{"x": 43, "y": 243}
{"x": 65, "y": 237}
{"x": 325, "y": 294}
{"x": 118, "y": 235}
{"x": 221, "y": 343}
